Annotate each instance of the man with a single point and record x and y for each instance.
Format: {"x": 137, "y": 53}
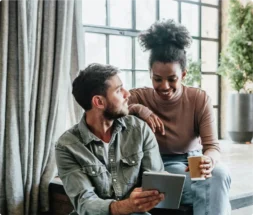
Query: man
{"x": 101, "y": 159}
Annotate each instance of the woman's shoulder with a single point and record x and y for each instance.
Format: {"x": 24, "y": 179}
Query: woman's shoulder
{"x": 195, "y": 93}
{"x": 198, "y": 98}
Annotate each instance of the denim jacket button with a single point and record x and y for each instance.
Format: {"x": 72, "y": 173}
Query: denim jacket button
{"x": 93, "y": 172}
{"x": 133, "y": 161}
{"x": 111, "y": 160}
{"x": 114, "y": 180}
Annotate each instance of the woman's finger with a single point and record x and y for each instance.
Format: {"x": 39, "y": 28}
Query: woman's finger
{"x": 151, "y": 124}
{"x": 156, "y": 121}
{"x": 162, "y": 130}
{"x": 205, "y": 166}
{"x": 208, "y": 175}
{"x": 206, "y": 171}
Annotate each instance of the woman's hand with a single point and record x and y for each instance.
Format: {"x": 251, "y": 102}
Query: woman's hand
{"x": 206, "y": 166}
{"x": 155, "y": 123}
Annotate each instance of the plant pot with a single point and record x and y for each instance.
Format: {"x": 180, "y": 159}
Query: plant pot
{"x": 240, "y": 117}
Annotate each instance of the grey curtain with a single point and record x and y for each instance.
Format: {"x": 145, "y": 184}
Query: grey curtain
{"x": 40, "y": 52}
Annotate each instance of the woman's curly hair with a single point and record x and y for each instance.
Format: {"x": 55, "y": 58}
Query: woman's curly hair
{"x": 167, "y": 41}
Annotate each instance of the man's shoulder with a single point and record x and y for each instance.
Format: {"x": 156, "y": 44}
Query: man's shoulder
{"x": 132, "y": 121}
{"x": 71, "y": 136}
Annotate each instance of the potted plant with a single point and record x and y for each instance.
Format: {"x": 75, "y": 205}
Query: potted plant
{"x": 193, "y": 76}
{"x": 236, "y": 63}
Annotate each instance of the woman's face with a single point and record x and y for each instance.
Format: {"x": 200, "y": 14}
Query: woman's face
{"x": 166, "y": 78}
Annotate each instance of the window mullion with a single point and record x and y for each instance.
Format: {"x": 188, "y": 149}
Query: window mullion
{"x": 133, "y": 63}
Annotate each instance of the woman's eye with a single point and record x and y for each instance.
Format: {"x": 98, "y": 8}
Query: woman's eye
{"x": 157, "y": 80}
{"x": 172, "y": 79}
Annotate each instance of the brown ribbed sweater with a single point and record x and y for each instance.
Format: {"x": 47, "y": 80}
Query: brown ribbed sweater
{"x": 188, "y": 120}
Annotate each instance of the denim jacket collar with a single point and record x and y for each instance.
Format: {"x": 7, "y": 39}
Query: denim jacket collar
{"x": 88, "y": 136}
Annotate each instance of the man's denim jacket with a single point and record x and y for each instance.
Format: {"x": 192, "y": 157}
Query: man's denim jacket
{"x": 92, "y": 185}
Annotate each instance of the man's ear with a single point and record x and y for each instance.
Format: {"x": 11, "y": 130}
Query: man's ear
{"x": 98, "y": 102}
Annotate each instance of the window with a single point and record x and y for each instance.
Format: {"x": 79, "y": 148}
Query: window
{"x": 111, "y": 28}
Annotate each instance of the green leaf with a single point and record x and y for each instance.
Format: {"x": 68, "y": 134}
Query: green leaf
{"x": 193, "y": 75}
{"x": 236, "y": 59}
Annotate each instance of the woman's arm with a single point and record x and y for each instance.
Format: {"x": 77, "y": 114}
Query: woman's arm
{"x": 207, "y": 128}
{"x": 137, "y": 108}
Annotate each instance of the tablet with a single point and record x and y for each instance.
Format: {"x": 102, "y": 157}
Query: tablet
{"x": 169, "y": 184}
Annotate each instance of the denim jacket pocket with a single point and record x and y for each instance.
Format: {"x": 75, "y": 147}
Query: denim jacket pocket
{"x": 99, "y": 176}
{"x": 131, "y": 167}
{"x": 94, "y": 170}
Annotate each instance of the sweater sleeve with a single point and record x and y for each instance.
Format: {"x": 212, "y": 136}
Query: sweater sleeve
{"x": 207, "y": 128}
{"x": 136, "y": 106}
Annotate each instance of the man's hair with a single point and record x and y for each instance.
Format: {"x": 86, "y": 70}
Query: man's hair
{"x": 166, "y": 41}
{"x": 92, "y": 81}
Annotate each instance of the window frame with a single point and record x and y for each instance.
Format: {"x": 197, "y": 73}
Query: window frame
{"x": 107, "y": 30}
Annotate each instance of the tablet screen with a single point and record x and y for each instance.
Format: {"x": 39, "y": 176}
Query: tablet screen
{"x": 169, "y": 184}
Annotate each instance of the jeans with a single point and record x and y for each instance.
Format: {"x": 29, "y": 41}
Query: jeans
{"x": 208, "y": 197}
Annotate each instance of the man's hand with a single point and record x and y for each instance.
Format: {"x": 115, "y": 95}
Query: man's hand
{"x": 139, "y": 201}
{"x": 206, "y": 166}
{"x": 142, "y": 201}
{"x": 155, "y": 123}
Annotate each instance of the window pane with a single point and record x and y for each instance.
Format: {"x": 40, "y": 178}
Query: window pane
{"x": 143, "y": 79}
{"x": 126, "y": 78}
{"x": 193, "y": 51}
{"x": 209, "y": 55}
{"x": 145, "y": 13}
{"x": 168, "y": 10}
{"x": 95, "y": 48}
{"x": 121, "y": 51}
{"x": 141, "y": 57}
{"x": 209, "y": 83}
{"x": 121, "y": 13}
{"x": 214, "y": 2}
{"x": 190, "y": 18}
{"x": 94, "y": 12}
{"x": 209, "y": 26}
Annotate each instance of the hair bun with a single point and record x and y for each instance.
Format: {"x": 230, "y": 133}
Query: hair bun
{"x": 165, "y": 33}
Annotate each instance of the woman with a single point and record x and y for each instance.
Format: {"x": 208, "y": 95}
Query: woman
{"x": 182, "y": 118}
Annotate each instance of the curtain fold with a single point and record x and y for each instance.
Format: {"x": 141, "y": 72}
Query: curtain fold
{"x": 41, "y": 50}
{"x": 4, "y": 27}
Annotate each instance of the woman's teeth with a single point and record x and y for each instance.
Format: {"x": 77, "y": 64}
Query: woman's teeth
{"x": 165, "y": 93}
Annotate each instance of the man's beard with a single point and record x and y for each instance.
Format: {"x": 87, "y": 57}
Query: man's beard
{"x": 111, "y": 114}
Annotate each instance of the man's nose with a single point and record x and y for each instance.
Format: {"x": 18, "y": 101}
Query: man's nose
{"x": 126, "y": 94}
